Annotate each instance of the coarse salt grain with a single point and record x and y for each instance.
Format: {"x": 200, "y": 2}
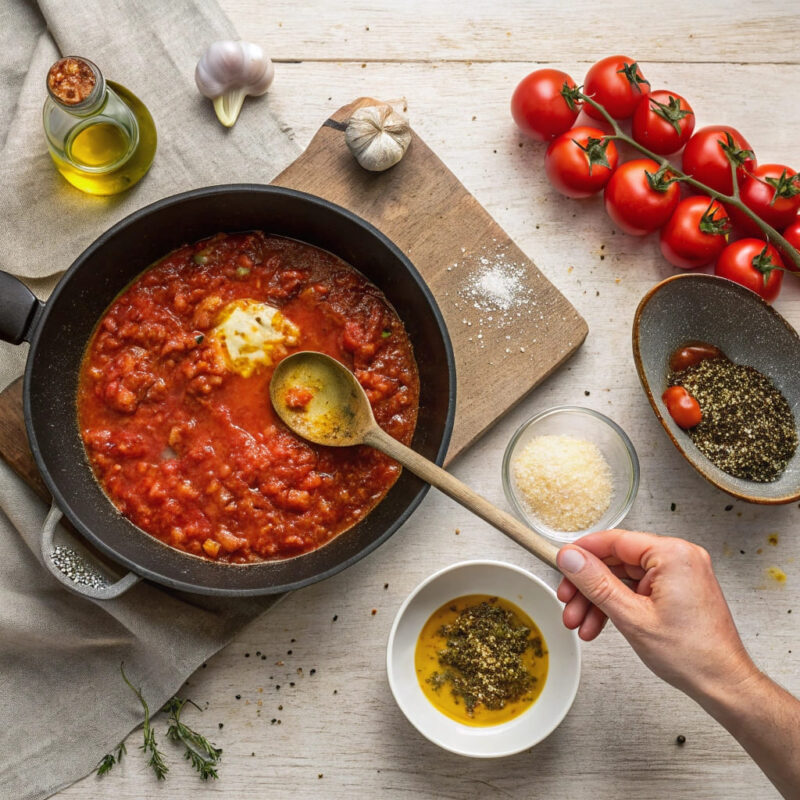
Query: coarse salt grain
{"x": 565, "y": 482}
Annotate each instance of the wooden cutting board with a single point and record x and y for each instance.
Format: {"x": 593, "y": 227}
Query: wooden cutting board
{"x": 509, "y": 325}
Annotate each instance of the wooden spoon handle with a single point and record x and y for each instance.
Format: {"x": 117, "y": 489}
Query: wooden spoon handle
{"x": 461, "y": 493}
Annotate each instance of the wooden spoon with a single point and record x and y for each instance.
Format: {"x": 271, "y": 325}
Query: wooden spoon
{"x": 322, "y": 401}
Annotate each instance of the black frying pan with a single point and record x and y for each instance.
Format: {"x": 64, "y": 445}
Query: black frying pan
{"x": 59, "y": 331}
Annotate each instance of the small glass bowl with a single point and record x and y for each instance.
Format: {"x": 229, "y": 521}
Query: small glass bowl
{"x": 580, "y": 423}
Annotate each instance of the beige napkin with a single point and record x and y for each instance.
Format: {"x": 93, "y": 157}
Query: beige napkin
{"x": 62, "y": 701}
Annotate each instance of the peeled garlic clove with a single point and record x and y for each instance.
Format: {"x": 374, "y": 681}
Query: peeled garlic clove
{"x": 378, "y": 136}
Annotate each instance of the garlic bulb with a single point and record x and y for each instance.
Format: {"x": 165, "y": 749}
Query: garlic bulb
{"x": 378, "y": 136}
{"x": 229, "y": 71}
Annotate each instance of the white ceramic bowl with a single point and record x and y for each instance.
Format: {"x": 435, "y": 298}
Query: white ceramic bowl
{"x": 537, "y": 600}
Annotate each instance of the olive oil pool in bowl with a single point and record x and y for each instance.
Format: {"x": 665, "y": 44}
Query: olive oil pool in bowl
{"x": 549, "y": 653}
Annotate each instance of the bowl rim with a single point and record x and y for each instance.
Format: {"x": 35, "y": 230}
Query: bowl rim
{"x": 541, "y": 733}
{"x": 635, "y": 471}
{"x": 748, "y": 296}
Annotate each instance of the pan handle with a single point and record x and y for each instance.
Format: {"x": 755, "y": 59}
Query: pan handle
{"x": 19, "y": 309}
{"x": 83, "y": 578}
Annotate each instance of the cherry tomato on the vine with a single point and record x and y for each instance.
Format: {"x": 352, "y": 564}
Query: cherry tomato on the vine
{"x": 542, "y": 107}
{"x": 752, "y": 263}
{"x": 682, "y": 407}
{"x": 662, "y": 122}
{"x": 695, "y": 233}
{"x": 640, "y": 197}
{"x": 708, "y": 154}
{"x": 773, "y": 192}
{"x": 580, "y": 162}
{"x": 617, "y": 83}
{"x": 792, "y": 235}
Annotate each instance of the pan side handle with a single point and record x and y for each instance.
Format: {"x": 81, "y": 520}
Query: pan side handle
{"x": 78, "y": 574}
{"x": 19, "y": 309}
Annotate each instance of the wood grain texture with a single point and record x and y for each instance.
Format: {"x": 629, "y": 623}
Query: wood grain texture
{"x": 458, "y": 248}
{"x": 619, "y": 738}
{"x": 14, "y": 449}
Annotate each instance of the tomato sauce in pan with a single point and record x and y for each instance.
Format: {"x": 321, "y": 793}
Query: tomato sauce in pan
{"x": 174, "y": 409}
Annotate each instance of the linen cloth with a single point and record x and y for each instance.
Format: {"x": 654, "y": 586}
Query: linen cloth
{"x": 63, "y": 704}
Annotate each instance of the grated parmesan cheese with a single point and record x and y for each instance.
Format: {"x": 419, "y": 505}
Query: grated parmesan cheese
{"x": 565, "y": 482}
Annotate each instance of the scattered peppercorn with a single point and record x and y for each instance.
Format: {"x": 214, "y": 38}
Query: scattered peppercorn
{"x": 374, "y": 611}
{"x": 728, "y": 508}
{"x": 221, "y": 725}
{"x": 312, "y": 672}
{"x": 335, "y": 617}
{"x": 238, "y": 697}
{"x": 385, "y": 585}
{"x": 247, "y": 655}
{"x": 672, "y": 506}
{"x": 681, "y": 739}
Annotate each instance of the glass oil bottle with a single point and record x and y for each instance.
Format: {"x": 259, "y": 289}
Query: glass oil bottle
{"x": 101, "y": 137}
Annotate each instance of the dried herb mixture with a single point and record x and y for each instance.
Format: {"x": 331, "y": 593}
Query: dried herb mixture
{"x": 483, "y": 657}
{"x": 748, "y": 429}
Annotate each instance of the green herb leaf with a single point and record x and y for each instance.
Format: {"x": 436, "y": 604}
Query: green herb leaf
{"x": 242, "y": 272}
{"x": 386, "y": 333}
{"x": 199, "y": 338}
{"x": 110, "y": 759}
{"x": 204, "y": 756}
{"x": 156, "y": 761}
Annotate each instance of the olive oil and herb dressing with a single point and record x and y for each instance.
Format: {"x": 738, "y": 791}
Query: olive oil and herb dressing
{"x": 481, "y": 660}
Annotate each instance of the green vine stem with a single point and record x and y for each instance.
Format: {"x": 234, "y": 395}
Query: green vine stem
{"x": 729, "y": 199}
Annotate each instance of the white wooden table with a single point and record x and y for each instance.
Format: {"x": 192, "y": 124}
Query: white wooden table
{"x": 337, "y": 733}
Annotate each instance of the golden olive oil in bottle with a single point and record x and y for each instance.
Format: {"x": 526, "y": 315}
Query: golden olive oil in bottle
{"x": 101, "y": 137}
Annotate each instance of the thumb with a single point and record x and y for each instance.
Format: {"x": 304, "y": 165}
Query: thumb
{"x": 595, "y": 581}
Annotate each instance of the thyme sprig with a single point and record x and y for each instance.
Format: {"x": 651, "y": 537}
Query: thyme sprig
{"x": 110, "y": 759}
{"x": 202, "y": 754}
{"x": 732, "y": 199}
{"x": 156, "y": 761}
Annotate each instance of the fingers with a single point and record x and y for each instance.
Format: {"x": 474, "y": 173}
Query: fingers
{"x": 626, "y": 547}
{"x": 593, "y": 624}
{"x": 575, "y": 611}
{"x": 594, "y": 581}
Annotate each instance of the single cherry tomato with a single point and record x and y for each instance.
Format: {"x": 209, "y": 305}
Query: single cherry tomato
{"x": 662, "y": 122}
{"x": 773, "y": 192}
{"x": 542, "y": 104}
{"x": 792, "y": 235}
{"x": 695, "y": 233}
{"x": 752, "y": 263}
{"x": 682, "y": 407}
{"x": 708, "y": 155}
{"x": 580, "y": 162}
{"x": 640, "y": 197}
{"x": 617, "y": 84}
{"x": 691, "y": 354}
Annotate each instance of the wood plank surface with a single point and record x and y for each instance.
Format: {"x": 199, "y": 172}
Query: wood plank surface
{"x": 489, "y": 292}
{"x": 737, "y": 63}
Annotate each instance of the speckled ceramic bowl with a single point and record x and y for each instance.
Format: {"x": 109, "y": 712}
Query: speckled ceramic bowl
{"x": 748, "y": 330}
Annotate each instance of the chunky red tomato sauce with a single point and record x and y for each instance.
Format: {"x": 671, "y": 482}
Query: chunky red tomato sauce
{"x": 191, "y": 451}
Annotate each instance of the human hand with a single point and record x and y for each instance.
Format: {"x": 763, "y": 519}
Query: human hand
{"x": 670, "y": 607}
